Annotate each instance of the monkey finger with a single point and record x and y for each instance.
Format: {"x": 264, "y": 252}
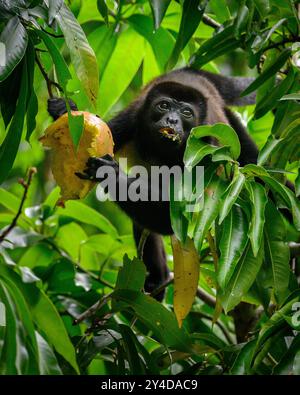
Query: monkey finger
{"x": 82, "y": 176}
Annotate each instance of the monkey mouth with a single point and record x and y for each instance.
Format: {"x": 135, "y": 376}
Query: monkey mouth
{"x": 170, "y": 133}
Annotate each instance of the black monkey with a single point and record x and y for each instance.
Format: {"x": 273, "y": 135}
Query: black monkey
{"x": 155, "y": 128}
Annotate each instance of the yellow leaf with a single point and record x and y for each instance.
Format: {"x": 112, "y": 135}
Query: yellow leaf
{"x": 186, "y": 276}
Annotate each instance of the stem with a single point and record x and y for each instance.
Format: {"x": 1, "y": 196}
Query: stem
{"x": 93, "y": 309}
{"x": 213, "y": 249}
{"x": 207, "y": 20}
{"x": 26, "y": 185}
{"x": 163, "y": 285}
{"x": 142, "y": 242}
{"x": 49, "y": 82}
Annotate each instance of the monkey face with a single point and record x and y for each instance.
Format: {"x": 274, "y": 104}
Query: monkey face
{"x": 172, "y": 119}
{"x": 165, "y": 120}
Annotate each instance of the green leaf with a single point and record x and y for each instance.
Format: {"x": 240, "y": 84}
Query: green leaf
{"x": 157, "y": 318}
{"x": 297, "y": 184}
{"x": 243, "y": 277}
{"x": 222, "y": 42}
{"x": 288, "y": 197}
{"x": 277, "y": 253}
{"x": 82, "y": 55}
{"x": 267, "y": 150}
{"x": 129, "y": 341}
{"x": 220, "y": 9}
{"x": 232, "y": 244}
{"x": 10, "y": 145}
{"x": 15, "y": 39}
{"x": 276, "y": 322}
{"x": 196, "y": 150}
{"x": 192, "y": 13}
{"x": 47, "y": 360}
{"x": 131, "y": 275}
{"x": 263, "y": 7}
{"x": 102, "y": 8}
{"x": 291, "y": 96}
{"x": 62, "y": 71}
{"x": 242, "y": 363}
{"x": 9, "y": 200}
{"x": 54, "y": 7}
{"x": 50, "y": 323}
{"x": 161, "y": 41}
{"x": 231, "y": 194}
{"x": 212, "y": 201}
{"x": 159, "y": 8}
{"x": 269, "y": 72}
{"x": 269, "y": 101}
{"x": 120, "y": 77}
{"x": 12, "y": 360}
{"x": 76, "y": 126}
{"x": 83, "y": 213}
{"x": 69, "y": 238}
{"x": 258, "y": 199}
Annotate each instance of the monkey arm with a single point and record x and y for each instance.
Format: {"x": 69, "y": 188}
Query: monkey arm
{"x": 152, "y": 215}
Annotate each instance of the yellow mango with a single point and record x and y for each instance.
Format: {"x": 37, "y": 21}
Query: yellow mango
{"x": 96, "y": 140}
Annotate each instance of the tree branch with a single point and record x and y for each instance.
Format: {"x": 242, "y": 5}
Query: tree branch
{"x": 26, "y": 185}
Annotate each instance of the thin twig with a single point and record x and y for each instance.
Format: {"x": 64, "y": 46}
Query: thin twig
{"x": 164, "y": 285}
{"x": 26, "y": 185}
{"x": 142, "y": 242}
{"x": 49, "y": 82}
{"x": 52, "y": 34}
{"x": 213, "y": 249}
{"x": 207, "y": 20}
{"x": 93, "y": 309}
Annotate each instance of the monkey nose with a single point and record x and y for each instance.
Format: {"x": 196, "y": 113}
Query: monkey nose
{"x": 172, "y": 121}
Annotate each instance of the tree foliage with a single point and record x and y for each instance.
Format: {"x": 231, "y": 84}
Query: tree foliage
{"x": 78, "y": 264}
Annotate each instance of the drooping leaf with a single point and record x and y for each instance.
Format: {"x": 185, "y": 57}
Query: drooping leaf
{"x": 269, "y": 101}
{"x": 62, "y": 70}
{"x": 186, "y": 276}
{"x": 15, "y": 39}
{"x": 54, "y": 7}
{"x": 258, "y": 200}
{"x": 157, "y": 318}
{"x": 83, "y": 213}
{"x": 212, "y": 201}
{"x": 269, "y": 72}
{"x": 277, "y": 253}
{"x": 192, "y": 13}
{"x": 243, "y": 277}
{"x": 231, "y": 194}
{"x": 102, "y": 7}
{"x": 232, "y": 244}
{"x": 109, "y": 96}
{"x": 82, "y": 55}
{"x": 10, "y": 145}
{"x": 159, "y": 8}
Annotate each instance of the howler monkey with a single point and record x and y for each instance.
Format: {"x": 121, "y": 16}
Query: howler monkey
{"x": 155, "y": 127}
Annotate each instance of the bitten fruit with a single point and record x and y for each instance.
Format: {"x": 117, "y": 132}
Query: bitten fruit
{"x": 96, "y": 140}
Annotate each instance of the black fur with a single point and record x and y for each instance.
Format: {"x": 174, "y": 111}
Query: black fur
{"x": 207, "y": 95}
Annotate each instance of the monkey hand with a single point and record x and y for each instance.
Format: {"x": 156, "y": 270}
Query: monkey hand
{"x": 57, "y": 106}
{"x": 94, "y": 164}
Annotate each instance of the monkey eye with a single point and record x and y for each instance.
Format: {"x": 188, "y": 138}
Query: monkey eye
{"x": 187, "y": 112}
{"x": 163, "y": 106}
